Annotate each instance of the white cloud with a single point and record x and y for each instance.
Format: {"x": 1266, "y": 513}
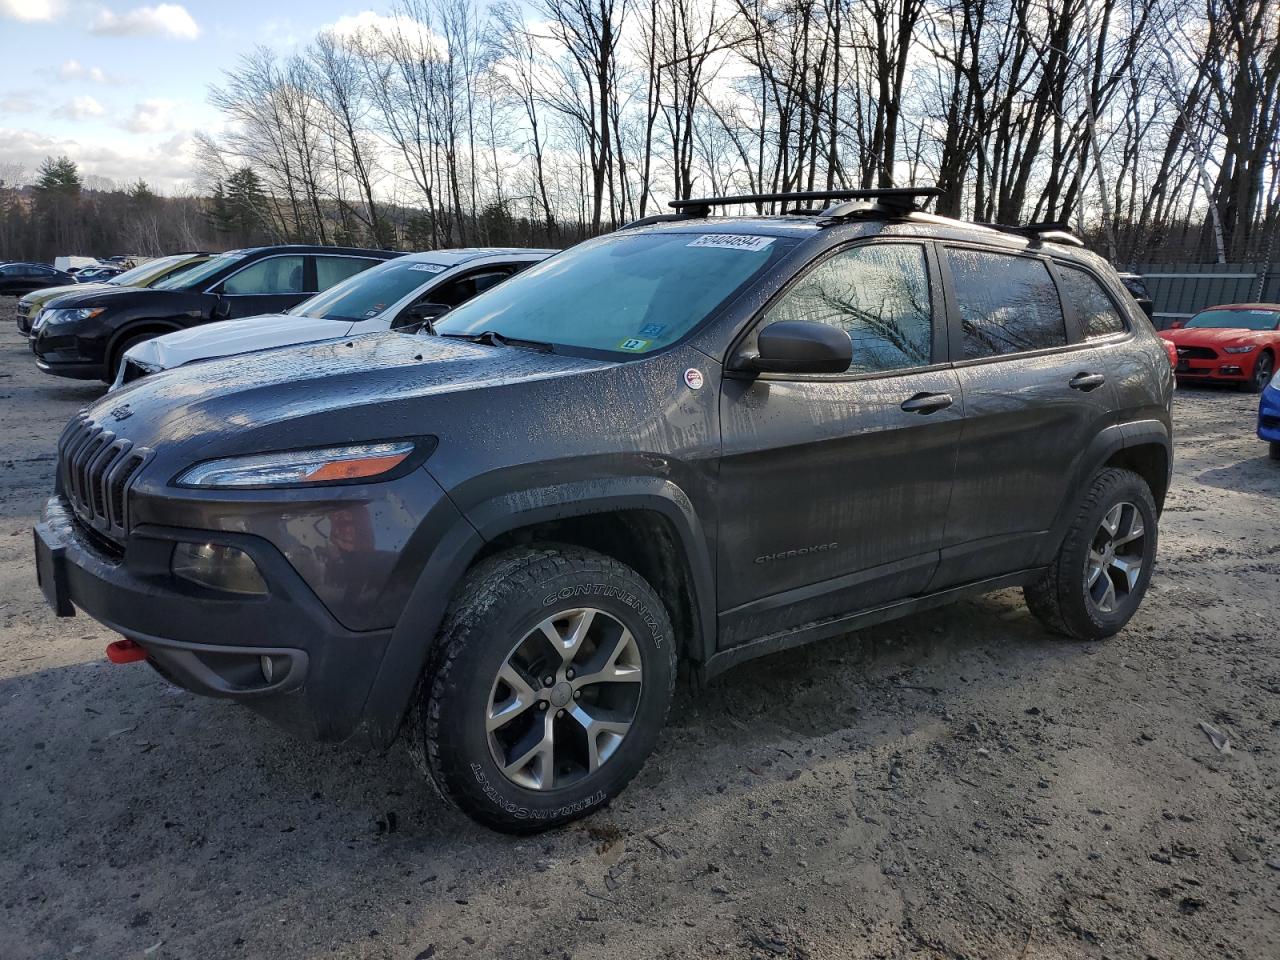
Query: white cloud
{"x": 20, "y": 101}
{"x": 166, "y": 19}
{"x": 75, "y": 70}
{"x": 80, "y": 108}
{"x": 167, "y": 166}
{"x": 373, "y": 28}
{"x": 151, "y": 116}
{"x": 31, "y": 11}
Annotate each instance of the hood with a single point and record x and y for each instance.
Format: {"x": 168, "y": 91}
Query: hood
{"x": 48, "y": 293}
{"x": 1215, "y": 337}
{"x": 110, "y": 295}
{"x": 230, "y": 337}
{"x": 347, "y": 390}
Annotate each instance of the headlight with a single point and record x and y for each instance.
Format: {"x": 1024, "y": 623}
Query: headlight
{"x": 294, "y": 468}
{"x": 1243, "y": 348}
{"x": 47, "y": 317}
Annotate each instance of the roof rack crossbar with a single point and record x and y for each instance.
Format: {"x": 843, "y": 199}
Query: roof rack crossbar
{"x": 897, "y": 197}
{"x": 1054, "y": 231}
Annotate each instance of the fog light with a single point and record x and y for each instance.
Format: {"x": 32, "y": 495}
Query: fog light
{"x": 1229, "y": 368}
{"x": 217, "y": 567}
{"x": 268, "y": 668}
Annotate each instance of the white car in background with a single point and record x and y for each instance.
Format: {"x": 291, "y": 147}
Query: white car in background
{"x": 400, "y": 294}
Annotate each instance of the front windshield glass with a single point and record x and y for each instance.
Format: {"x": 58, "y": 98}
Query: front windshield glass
{"x": 144, "y": 271}
{"x": 1236, "y": 320}
{"x": 370, "y": 292}
{"x": 629, "y": 293}
{"x": 185, "y": 279}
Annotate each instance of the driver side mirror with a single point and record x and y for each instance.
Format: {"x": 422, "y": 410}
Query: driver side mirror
{"x": 801, "y": 346}
{"x": 221, "y": 309}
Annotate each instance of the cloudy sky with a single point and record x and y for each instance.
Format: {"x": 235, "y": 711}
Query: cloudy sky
{"x": 119, "y": 86}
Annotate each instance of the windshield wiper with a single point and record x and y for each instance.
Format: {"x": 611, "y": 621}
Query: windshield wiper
{"x": 495, "y": 339}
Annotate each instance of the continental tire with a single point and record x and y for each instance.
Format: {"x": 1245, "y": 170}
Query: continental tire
{"x": 1102, "y": 569}
{"x": 551, "y": 681}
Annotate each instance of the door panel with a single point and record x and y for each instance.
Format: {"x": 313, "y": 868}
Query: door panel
{"x": 1032, "y": 404}
{"x": 834, "y": 497}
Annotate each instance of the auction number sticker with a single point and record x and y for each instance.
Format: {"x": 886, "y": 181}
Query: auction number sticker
{"x": 634, "y": 344}
{"x": 427, "y": 267}
{"x": 732, "y": 241}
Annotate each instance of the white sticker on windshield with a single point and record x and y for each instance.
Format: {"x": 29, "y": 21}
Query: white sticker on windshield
{"x": 732, "y": 241}
{"x": 428, "y": 267}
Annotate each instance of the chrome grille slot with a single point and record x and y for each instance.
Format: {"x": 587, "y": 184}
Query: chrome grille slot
{"x": 95, "y": 468}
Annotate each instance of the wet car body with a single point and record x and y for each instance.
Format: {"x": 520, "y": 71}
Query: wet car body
{"x": 508, "y": 438}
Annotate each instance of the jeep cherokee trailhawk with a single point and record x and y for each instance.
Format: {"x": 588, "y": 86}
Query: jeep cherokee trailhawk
{"x": 697, "y": 438}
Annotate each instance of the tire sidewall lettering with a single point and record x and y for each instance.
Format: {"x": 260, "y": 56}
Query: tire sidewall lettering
{"x": 521, "y": 812}
{"x": 577, "y": 590}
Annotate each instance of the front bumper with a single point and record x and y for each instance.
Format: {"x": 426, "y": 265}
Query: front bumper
{"x": 1223, "y": 370}
{"x": 208, "y": 641}
{"x": 65, "y": 355}
{"x": 1269, "y": 415}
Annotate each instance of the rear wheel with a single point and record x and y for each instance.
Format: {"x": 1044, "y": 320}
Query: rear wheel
{"x": 552, "y": 679}
{"x": 1262, "y": 371}
{"x": 1103, "y": 567}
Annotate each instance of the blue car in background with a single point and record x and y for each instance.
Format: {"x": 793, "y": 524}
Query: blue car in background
{"x": 1269, "y": 416}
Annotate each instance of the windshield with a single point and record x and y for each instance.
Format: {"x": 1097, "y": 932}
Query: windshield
{"x": 623, "y": 293}
{"x": 145, "y": 271}
{"x": 370, "y": 292}
{"x": 1236, "y": 320}
{"x": 185, "y": 279}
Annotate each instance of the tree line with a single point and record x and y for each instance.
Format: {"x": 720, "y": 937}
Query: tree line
{"x": 1151, "y": 126}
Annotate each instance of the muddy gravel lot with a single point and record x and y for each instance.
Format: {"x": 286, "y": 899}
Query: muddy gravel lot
{"x": 958, "y": 784}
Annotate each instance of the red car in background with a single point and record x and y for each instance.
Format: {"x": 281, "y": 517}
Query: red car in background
{"x": 1235, "y": 343}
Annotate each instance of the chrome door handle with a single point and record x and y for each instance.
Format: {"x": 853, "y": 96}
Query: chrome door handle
{"x": 1086, "y": 381}
{"x": 927, "y": 403}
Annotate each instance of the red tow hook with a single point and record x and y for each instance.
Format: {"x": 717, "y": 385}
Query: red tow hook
{"x": 125, "y": 651}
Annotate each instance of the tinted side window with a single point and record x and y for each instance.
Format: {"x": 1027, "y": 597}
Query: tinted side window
{"x": 464, "y": 288}
{"x": 1098, "y": 315}
{"x": 1007, "y": 304}
{"x": 330, "y": 270}
{"x": 878, "y": 295}
{"x": 272, "y": 275}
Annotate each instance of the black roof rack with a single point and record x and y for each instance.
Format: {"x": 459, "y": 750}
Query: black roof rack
{"x": 1050, "y": 231}
{"x": 884, "y": 200}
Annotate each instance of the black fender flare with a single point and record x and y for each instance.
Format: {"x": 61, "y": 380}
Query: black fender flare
{"x": 413, "y": 637}
{"x": 1106, "y": 444}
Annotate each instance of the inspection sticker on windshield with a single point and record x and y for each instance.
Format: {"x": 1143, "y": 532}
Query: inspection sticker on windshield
{"x": 634, "y": 344}
{"x": 731, "y": 241}
{"x": 427, "y": 267}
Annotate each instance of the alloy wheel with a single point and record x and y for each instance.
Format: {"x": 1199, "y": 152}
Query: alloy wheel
{"x": 564, "y": 699}
{"x": 1116, "y": 558}
{"x": 1262, "y": 372}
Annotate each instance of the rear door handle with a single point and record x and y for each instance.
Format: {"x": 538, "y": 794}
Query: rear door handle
{"x": 927, "y": 403}
{"x": 1086, "y": 381}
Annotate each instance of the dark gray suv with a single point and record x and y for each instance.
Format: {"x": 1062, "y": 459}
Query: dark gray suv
{"x": 698, "y": 438}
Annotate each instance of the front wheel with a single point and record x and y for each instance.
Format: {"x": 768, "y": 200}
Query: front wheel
{"x": 1103, "y": 566}
{"x": 552, "y": 679}
{"x": 1262, "y": 370}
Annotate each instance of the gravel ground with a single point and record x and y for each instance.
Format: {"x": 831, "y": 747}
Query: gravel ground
{"x": 954, "y": 785}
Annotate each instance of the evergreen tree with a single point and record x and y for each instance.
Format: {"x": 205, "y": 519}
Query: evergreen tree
{"x": 246, "y": 202}
{"x": 60, "y": 176}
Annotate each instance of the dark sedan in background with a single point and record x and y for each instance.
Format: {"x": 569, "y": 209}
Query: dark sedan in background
{"x": 85, "y": 336}
{"x": 17, "y": 279}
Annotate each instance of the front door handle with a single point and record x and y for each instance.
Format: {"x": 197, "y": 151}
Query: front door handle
{"x": 927, "y": 403}
{"x": 1086, "y": 381}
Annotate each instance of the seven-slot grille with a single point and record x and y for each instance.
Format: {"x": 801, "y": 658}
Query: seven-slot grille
{"x": 95, "y": 468}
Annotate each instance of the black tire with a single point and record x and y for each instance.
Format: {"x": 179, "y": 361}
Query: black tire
{"x": 1262, "y": 371}
{"x": 1060, "y": 599}
{"x": 119, "y": 350}
{"x": 501, "y": 601}
{"x": 1275, "y": 450}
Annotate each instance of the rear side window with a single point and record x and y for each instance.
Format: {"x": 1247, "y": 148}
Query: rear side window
{"x": 878, "y": 295}
{"x": 463, "y": 289}
{"x": 1098, "y": 314}
{"x": 274, "y": 275}
{"x": 331, "y": 270}
{"x": 1007, "y": 304}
